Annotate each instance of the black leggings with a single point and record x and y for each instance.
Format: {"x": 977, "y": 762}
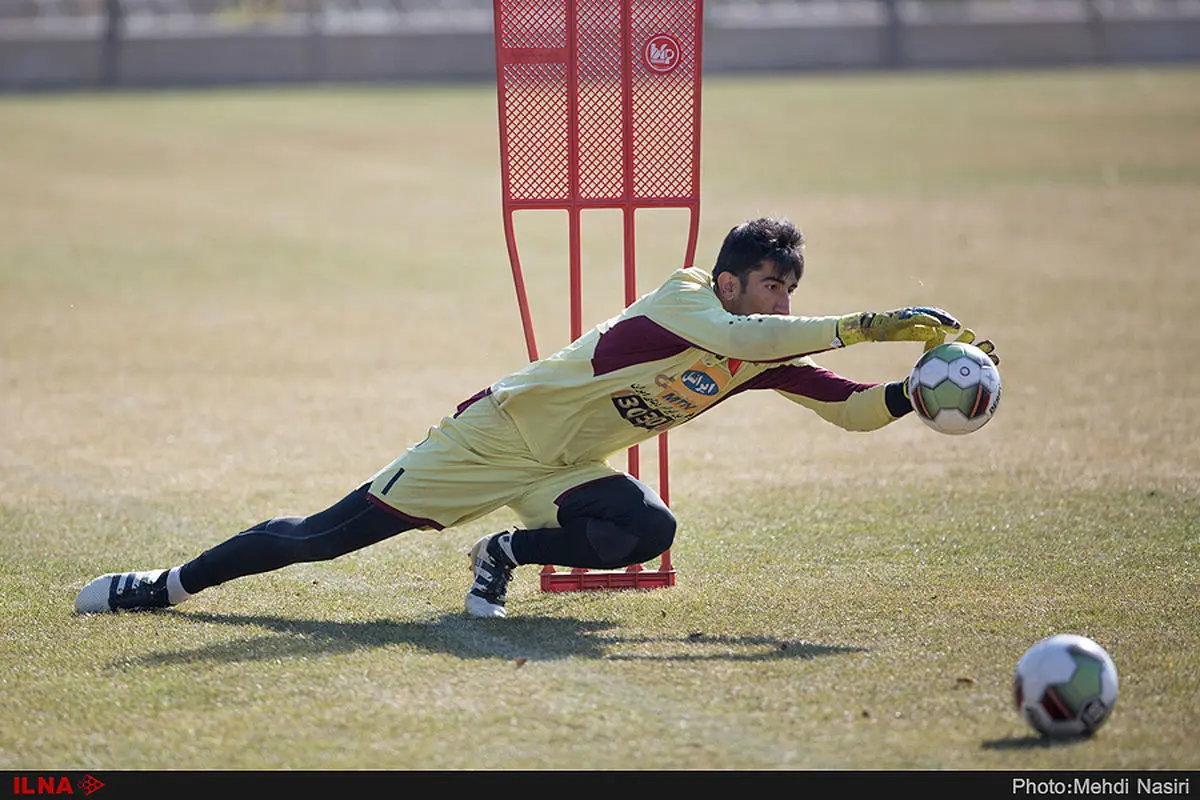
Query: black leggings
{"x": 606, "y": 524}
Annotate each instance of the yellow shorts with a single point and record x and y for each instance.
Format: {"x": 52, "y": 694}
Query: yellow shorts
{"x": 473, "y": 464}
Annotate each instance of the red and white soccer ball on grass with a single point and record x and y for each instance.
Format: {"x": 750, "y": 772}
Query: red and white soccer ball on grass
{"x": 955, "y": 388}
{"x": 1065, "y": 686}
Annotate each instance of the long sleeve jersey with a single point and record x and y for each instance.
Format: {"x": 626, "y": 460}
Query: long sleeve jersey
{"x": 670, "y": 356}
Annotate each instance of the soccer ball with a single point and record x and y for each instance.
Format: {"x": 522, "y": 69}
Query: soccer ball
{"x": 1065, "y": 686}
{"x": 955, "y": 388}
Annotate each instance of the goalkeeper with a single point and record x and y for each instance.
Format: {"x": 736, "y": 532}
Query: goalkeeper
{"x": 537, "y": 441}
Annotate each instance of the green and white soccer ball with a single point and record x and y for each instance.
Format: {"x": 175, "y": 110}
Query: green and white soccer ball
{"x": 1065, "y": 686}
{"x": 955, "y": 388}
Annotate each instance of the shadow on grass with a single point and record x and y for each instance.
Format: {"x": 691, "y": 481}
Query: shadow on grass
{"x": 534, "y": 639}
{"x": 1030, "y": 742}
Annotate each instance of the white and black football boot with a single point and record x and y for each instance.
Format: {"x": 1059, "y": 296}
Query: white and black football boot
{"x": 493, "y": 570}
{"x": 124, "y": 591}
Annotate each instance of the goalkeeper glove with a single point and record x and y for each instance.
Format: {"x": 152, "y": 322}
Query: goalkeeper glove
{"x": 912, "y": 324}
{"x": 966, "y": 337}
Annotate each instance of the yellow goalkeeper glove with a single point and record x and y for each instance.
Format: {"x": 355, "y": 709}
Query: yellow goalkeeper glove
{"x": 966, "y": 337}
{"x": 912, "y": 324}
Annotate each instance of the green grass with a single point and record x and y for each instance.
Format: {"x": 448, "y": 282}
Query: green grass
{"x": 218, "y": 307}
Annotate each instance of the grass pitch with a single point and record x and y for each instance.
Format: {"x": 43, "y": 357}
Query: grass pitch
{"x": 220, "y": 307}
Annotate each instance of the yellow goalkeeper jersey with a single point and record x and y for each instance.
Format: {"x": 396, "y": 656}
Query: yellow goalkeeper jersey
{"x": 671, "y": 355}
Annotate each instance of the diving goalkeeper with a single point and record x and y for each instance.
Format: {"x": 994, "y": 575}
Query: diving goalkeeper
{"x": 537, "y": 441}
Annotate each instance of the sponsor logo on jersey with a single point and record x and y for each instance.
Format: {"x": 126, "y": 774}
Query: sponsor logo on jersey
{"x": 680, "y": 396}
{"x": 700, "y": 382}
{"x": 696, "y": 387}
{"x": 637, "y": 411}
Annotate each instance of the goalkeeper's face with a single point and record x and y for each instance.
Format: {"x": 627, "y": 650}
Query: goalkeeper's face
{"x": 765, "y": 290}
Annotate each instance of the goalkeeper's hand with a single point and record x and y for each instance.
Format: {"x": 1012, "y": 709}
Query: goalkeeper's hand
{"x": 966, "y": 337}
{"x": 912, "y": 324}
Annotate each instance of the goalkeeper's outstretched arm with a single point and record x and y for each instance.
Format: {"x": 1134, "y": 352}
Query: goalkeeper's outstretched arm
{"x": 687, "y": 307}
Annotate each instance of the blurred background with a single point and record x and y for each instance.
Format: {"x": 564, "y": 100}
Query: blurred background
{"x": 77, "y": 44}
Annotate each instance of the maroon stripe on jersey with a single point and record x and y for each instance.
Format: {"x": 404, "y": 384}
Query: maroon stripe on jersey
{"x": 635, "y": 340}
{"x": 807, "y": 381}
{"x": 470, "y": 401}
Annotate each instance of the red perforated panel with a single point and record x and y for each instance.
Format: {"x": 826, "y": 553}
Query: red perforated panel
{"x": 535, "y": 105}
{"x": 664, "y": 103}
{"x": 600, "y": 116}
{"x": 599, "y": 101}
{"x": 531, "y": 24}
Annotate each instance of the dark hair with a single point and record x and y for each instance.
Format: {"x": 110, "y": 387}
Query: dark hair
{"x": 748, "y": 245}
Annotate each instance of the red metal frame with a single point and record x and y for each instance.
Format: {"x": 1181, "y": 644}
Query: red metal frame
{"x": 599, "y": 106}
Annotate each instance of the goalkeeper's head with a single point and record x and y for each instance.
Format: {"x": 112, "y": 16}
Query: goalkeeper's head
{"x": 759, "y": 259}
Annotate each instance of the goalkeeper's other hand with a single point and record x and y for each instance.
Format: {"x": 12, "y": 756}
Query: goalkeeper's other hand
{"x": 966, "y": 337}
{"x": 912, "y": 324}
